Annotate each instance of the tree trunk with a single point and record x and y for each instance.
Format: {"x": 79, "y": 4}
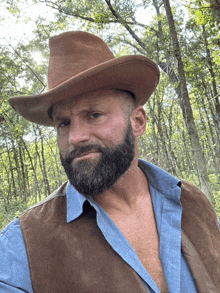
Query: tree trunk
{"x": 155, "y": 157}
{"x": 57, "y": 174}
{"x": 186, "y": 158}
{"x": 215, "y": 6}
{"x": 23, "y": 181}
{"x": 11, "y": 168}
{"x": 47, "y": 185}
{"x": 165, "y": 66}
{"x": 33, "y": 167}
{"x": 187, "y": 109}
{"x": 215, "y": 139}
{"x": 211, "y": 71}
{"x": 19, "y": 178}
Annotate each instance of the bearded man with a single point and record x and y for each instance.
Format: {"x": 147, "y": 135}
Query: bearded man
{"x": 119, "y": 224}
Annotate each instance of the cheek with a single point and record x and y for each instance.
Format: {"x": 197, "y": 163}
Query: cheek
{"x": 113, "y": 133}
{"x": 63, "y": 145}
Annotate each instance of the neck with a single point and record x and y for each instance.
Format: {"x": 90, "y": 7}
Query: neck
{"x": 127, "y": 193}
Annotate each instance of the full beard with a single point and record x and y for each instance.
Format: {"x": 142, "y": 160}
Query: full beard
{"x": 93, "y": 177}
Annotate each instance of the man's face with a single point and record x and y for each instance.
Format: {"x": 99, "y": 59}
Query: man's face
{"x": 96, "y": 142}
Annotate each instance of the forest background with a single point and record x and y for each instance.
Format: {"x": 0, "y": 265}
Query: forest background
{"x": 183, "y": 130}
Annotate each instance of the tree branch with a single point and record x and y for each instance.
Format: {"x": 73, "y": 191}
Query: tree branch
{"x": 71, "y": 13}
{"x": 125, "y": 24}
{"x": 134, "y": 46}
{"x": 16, "y": 52}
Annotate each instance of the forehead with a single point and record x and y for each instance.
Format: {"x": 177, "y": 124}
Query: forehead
{"x": 102, "y": 98}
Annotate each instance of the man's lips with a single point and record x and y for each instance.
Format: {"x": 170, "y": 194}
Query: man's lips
{"x": 90, "y": 154}
{"x": 83, "y": 152}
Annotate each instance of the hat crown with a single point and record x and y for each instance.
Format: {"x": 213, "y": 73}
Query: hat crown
{"x": 80, "y": 63}
{"x": 72, "y": 53}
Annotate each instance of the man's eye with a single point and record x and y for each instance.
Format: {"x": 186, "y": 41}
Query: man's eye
{"x": 95, "y": 115}
{"x": 66, "y": 122}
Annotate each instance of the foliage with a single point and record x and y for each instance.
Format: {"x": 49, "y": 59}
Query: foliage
{"x": 29, "y": 158}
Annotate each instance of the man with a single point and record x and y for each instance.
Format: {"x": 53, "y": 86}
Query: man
{"x": 120, "y": 224}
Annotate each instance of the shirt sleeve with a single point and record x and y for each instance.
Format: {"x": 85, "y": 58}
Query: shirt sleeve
{"x": 14, "y": 268}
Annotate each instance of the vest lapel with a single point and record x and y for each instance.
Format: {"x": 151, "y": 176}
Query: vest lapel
{"x": 200, "y": 274}
{"x": 200, "y": 239}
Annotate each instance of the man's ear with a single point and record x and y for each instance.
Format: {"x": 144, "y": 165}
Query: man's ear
{"x": 138, "y": 121}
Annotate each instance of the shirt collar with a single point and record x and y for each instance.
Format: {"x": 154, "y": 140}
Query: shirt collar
{"x": 75, "y": 201}
{"x": 162, "y": 181}
{"x": 158, "y": 178}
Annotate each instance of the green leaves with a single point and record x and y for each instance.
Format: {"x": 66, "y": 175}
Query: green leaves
{"x": 166, "y": 141}
{"x": 199, "y": 17}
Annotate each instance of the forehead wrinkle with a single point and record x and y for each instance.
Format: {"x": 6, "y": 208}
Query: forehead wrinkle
{"x": 63, "y": 112}
{"x": 89, "y": 102}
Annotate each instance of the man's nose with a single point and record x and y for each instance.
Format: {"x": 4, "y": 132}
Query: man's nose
{"x": 78, "y": 133}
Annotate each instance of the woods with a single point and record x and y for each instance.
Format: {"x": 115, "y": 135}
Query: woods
{"x": 183, "y": 130}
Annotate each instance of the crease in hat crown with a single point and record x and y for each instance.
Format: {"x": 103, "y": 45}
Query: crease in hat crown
{"x": 88, "y": 50}
{"x": 81, "y": 62}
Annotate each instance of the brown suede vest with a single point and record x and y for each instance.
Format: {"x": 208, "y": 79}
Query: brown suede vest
{"x": 75, "y": 257}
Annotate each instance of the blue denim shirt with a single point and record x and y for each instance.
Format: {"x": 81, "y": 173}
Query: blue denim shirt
{"x": 165, "y": 191}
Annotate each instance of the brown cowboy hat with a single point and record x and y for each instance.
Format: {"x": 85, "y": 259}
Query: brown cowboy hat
{"x": 81, "y": 62}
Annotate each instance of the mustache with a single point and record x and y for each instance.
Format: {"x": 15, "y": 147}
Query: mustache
{"x": 78, "y": 151}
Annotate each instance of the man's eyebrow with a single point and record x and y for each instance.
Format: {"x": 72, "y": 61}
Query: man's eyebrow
{"x": 92, "y": 108}
{"x": 60, "y": 116}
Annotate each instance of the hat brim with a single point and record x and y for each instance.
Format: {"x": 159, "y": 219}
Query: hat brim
{"x": 137, "y": 74}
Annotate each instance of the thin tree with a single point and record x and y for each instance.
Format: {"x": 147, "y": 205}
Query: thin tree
{"x": 187, "y": 109}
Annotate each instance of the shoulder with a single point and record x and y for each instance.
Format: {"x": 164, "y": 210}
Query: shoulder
{"x": 14, "y": 269}
{"x": 48, "y": 211}
{"x": 192, "y": 194}
{"x": 59, "y": 192}
{"x": 10, "y": 230}
{"x": 197, "y": 208}
{"x": 11, "y": 242}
